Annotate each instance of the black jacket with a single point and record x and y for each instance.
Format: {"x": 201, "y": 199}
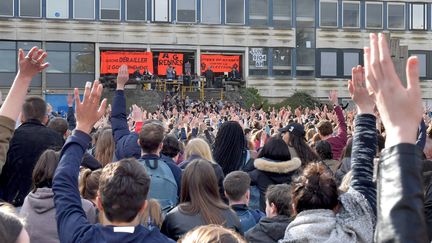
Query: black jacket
{"x": 177, "y": 223}
{"x": 29, "y": 141}
{"x": 401, "y": 215}
{"x": 269, "y": 172}
{"x": 268, "y": 229}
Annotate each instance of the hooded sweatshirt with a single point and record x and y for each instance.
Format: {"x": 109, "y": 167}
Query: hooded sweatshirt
{"x": 39, "y": 213}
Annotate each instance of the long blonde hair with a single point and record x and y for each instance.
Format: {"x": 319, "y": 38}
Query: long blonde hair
{"x": 199, "y": 147}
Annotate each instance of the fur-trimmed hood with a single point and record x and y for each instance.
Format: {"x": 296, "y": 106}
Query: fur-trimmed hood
{"x": 281, "y": 167}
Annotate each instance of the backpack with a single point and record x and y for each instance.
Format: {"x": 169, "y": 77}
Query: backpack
{"x": 163, "y": 186}
{"x": 247, "y": 220}
{"x": 255, "y": 197}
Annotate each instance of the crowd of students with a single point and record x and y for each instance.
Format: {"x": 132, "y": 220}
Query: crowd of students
{"x": 217, "y": 172}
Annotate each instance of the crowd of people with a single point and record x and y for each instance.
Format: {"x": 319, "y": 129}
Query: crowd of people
{"x": 214, "y": 171}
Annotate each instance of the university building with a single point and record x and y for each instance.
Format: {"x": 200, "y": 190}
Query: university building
{"x": 281, "y": 45}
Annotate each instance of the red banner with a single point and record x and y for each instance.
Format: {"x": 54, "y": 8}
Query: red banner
{"x": 166, "y": 59}
{"x": 112, "y": 60}
{"x": 219, "y": 63}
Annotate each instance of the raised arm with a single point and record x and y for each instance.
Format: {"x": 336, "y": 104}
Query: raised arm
{"x": 71, "y": 218}
{"x": 365, "y": 138}
{"x": 70, "y": 113}
{"x": 126, "y": 145}
{"x": 29, "y": 66}
{"x": 400, "y": 186}
{"x": 342, "y": 126}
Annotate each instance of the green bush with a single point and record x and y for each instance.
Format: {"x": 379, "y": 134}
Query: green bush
{"x": 299, "y": 99}
{"x": 251, "y": 96}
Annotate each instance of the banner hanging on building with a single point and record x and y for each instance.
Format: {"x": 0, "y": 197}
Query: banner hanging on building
{"x": 112, "y": 60}
{"x": 166, "y": 59}
{"x": 219, "y": 63}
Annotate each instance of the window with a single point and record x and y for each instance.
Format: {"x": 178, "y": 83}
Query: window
{"x": 258, "y": 65}
{"x": 161, "y": 10}
{"x": 110, "y": 9}
{"x": 7, "y": 62}
{"x": 7, "y": 8}
{"x": 136, "y": 10}
{"x": 72, "y": 64}
{"x": 328, "y": 14}
{"x": 58, "y": 9}
{"x": 350, "y": 60}
{"x": 418, "y": 13}
{"x": 305, "y": 42}
{"x": 422, "y": 65}
{"x": 338, "y": 63}
{"x": 234, "y": 11}
{"x": 186, "y": 11}
{"x": 396, "y": 16}
{"x": 258, "y": 13}
{"x": 84, "y": 9}
{"x": 281, "y": 61}
{"x": 58, "y": 73}
{"x": 424, "y": 57}
{"x": 374, "y": 15}
{"x": 351, "y": 15}
{"x": 30, "y": 8}
{"x": 305, "y": 10}
{"x": 210, "y": 11}
{"x": 282, "y": 13}
{"x": 328, "y": 64}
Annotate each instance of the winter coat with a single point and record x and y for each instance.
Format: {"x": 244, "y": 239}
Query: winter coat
{"x": 177, "y": 223}
{"x": 268, "y": 229}
{"x": 269, "y": 172}
{"x": 29, "y": 141}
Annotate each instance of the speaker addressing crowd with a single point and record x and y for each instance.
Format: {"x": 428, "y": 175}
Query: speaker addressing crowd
{"x": 213, "y": 171}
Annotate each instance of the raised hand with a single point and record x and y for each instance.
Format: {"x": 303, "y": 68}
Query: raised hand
{"x": 122, "y": 77}
{"x": 400, "y": 108}
{"x": 333, "y": 96}
{"x": 32, "y": 63}
{"x": 137, "y": 114}
{"x": 88, "y": 111}
{"x": 29, "y": 66}
{"x": 358, "y": 91}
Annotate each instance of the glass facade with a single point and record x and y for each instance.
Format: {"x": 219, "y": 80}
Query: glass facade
{"x": 396, "y": 15}
{"x": 351, "y": 14}
{"x": 374, "y": 15}
{"x": 136, "y": 10}
{"x": 235, "y": 11}
{"x": 57, "y": 9}
{"x": 30, "y": 8}
{"x": 258, "y": 13}
{"x": 7, "y": 8}
{"x": 282, "y": 13}
{"x": 211, "y": 11}
{"x": 186, "y": 11}
{"x": 329, "y": 14}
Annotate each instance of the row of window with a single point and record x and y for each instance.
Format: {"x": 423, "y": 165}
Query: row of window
{"x": 136, "y": 10}
{"x": 71, "y": 64}
{"x": 374, "y": 15}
